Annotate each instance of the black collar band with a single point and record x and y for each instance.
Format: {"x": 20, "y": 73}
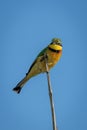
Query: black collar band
{"x": 57, "y": 51}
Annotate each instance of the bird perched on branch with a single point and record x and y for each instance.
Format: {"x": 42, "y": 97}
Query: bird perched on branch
{"x": 52, "y": 53}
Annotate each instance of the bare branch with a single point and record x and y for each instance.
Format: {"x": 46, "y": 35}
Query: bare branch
{"x": 51, "y": 96}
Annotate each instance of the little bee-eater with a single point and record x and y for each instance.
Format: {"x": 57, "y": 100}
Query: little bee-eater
{"x": 52, "y": 53}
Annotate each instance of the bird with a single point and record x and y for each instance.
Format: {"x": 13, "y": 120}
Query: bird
{"x": 51, "y": 54}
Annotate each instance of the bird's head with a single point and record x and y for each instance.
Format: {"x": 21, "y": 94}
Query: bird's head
{"x": 56, "y": 44}
{"x": 56, "y": 41}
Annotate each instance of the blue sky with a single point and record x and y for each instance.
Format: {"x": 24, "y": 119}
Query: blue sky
{"x": 26, "y": 27}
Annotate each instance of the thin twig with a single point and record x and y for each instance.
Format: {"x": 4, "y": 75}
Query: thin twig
{"x": 51, "y": 96}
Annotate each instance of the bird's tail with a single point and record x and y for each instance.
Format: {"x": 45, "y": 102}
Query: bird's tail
{"x": 20, "y": 84}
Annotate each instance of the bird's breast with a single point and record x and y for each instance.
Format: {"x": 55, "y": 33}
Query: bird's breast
{"x": 53, "y": 57}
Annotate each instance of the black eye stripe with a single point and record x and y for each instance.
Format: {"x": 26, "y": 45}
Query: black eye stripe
{"x": 60, "y": 44}
{"x": 56, "y": 43}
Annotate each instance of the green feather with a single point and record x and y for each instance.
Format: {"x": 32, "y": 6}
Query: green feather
{"x": 42, "y": 52}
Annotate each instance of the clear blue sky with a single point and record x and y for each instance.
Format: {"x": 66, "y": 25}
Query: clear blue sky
{"x": 26, "y": 27}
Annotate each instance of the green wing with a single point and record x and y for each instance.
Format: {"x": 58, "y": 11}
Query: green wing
{"x": 40, "y": 54}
